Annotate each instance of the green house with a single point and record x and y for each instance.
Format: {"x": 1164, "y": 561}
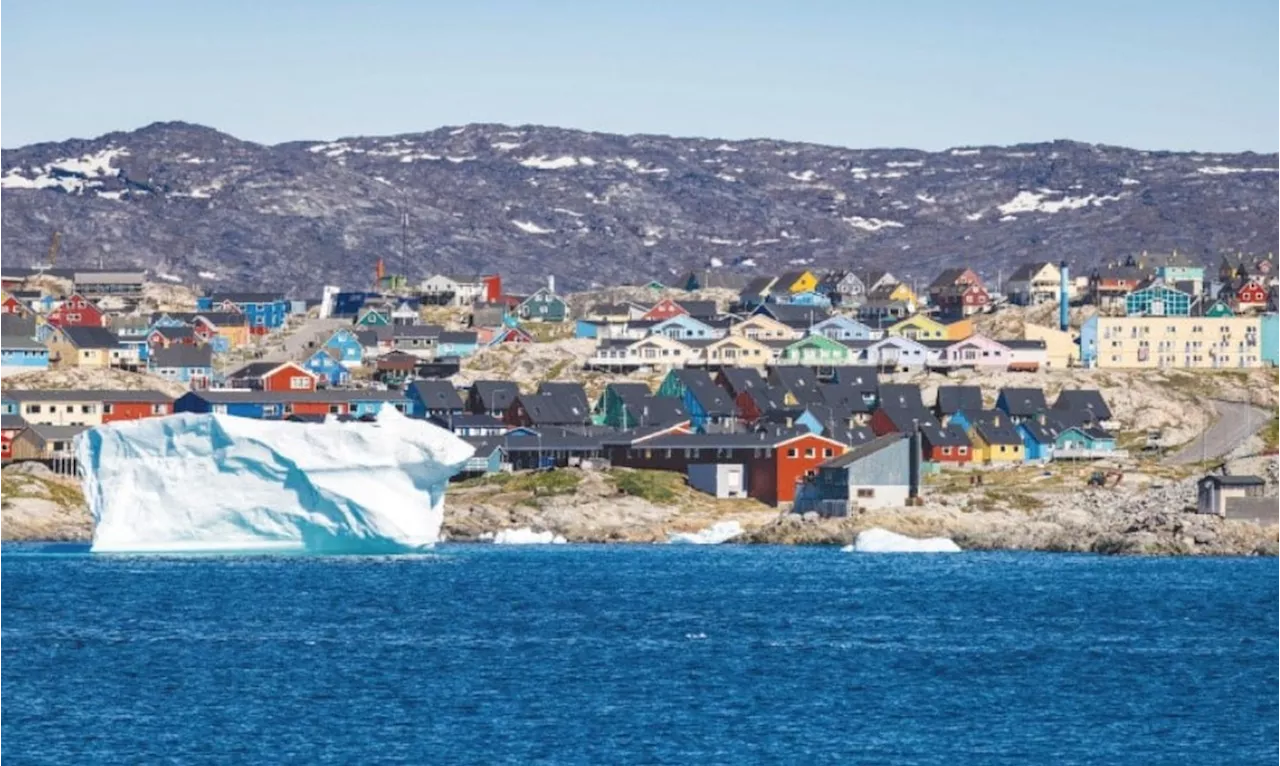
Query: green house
{"x": 543, "y": 306}
{"x": 373, "y": 318}
{"x": 815, "y": 350}
{"x": 656, "y": 286}
{"x": 611, "y": 406}
{"x": 1219, "y": 309}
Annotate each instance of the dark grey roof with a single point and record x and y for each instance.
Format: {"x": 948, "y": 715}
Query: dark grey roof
{"x": 900, "y": 396}
{"x": 176, "y": 333}
{"x": 91, "y": 337}
{"x": 333, "y": 395}
{"x": 462, "y": 337}
{"x": 791, "y": 314}
{"x": 651, "y": 410}
{"x": 550, "y": 409}
{"x": 1042, "y": 432}
{"x": 552, "y": 438}
{"x": 629, "y": 392}
{"x": 863, "y": 378}
{"x": 742, "y": 440}
{"x": 254, "y": 370}
{"x": 417, "y": 331}
{"x": 55, "y": 433}
{"x": 739, "y": 379}
{"x": 1235, "y": 481}
{"x": 1081, "y": 405}
{"x": 21, "y": 343}
{"x": 17, "y": 325}
{"x": 952, "y": 399}
{"x": 756, "y": 286}
{"x": 468, "y": 420}
{"x": 907, "y": 419}
{"x": 181, "y": 356}
{"x": 698, "y": 309}
{"x": 1023, "y": 401}
{"x": 935, "y": 435}
{"x": 566, "y": 390}
{"x": 436, "y": 394}
{"x": 863, "y": 450}
{"x": 714, "y": 399}
{"x": 485, "y": 445}
{"x": 995, "y": 429}
{"x": 1016, "y": 343}
{"x": 844, "y": 399}
{"x": 1027, "y": 270}
{"x": 86, "y": 395}
{"x": 851, "y": 437}
{"x": 495, "y": 394}
{"x": 12, "y": 422}
{"x": 788, "y": 278}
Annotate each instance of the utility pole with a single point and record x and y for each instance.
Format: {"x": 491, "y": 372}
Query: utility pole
{"x": 404, "y": 245}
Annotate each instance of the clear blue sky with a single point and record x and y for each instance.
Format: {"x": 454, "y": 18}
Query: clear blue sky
{"x": 922, "y": 73}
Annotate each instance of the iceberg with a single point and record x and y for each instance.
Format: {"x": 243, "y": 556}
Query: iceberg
{"x": 877, "y": 540}
{"x": 216, "y": 482}
{"x": 717, "y": 533}
{"x": 526, "y": 536}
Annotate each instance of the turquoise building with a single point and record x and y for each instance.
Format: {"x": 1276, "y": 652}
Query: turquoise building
{"x": 1270, "y": 339}
{"x": 1158, "y": 298}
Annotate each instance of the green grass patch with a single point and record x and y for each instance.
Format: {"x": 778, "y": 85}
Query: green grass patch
{"x": 1014, "y": 499}
{"x": 1270, "y": 433}
{"x": 25, "y": 485}
{"x": 657, "y": 487}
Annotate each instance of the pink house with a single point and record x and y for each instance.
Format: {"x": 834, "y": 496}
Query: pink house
{"x": 976, "y": 351}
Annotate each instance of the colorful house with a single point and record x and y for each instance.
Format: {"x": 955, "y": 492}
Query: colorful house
{"x": 374, "y": 316}
{"x": 795, "y": 282}
{"x": 543, "y": 306}
{"x": 1270, "y": 339}
{"x": 18, "y": 354}
{"x": 761, "y": 327}
{"x": 279, "y": 405}
{"x": 457, "y": 344}
{"x": 893, "y": 353}
{"x": 996, "y": 440}
{"x": 704, "y": 401}
{"x": 324, "y": 364}
{"x": 815, "y": 350}
{"x": 844, "y": 328}
{"x": 511, "y": 335}
{"x": 918, "y": 327}
{"x": 976, "y": 351}
{"x": 1039, "y": 438}
{"x": 685, "y": 327}
{"x": 90, "y": 347}
{"x": 273, "y": 376}
{"x": 192, "y": 365}
{"x": 663, "y": 309}
{"x": 77, "y": 311}
{"x": 263, "y": 312}
{"x": 735, "y": 350}
{"x": 1157, "y": 298}
{"x": 1084, "y": 441}
{"x": 344, "y": 346}
{"x": 806, "y": 298}
{"x": 1250, "y": 295}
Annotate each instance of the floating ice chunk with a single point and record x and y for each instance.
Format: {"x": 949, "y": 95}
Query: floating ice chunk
{"x": 526, "y": 536}
{"x": 223, "y": 483}
{"x": 877, "y": 540}
{"x": 717, "y": 533}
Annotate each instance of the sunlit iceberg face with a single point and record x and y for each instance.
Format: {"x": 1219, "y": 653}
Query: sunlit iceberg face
{"x": 222, "y": 483}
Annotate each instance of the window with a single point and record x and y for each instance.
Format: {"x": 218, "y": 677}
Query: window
{"x": 299, "y": 382}
{"x": 866, "y": 492}
{"x": 107, "y": 409}
{"x": 946, "y": 450}
{"x": 335, "y": 409}
{"x": 827, "y": 452}
{"x": 86, "y": 408}
{"x": 810, "y": 452}
{"x": 793, "y": 452}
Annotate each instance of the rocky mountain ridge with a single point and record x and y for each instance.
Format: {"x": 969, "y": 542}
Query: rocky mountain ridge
{"x": 195, "y": 204}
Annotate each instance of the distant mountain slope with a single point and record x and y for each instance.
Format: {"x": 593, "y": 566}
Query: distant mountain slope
{"x": 598, "y": 208}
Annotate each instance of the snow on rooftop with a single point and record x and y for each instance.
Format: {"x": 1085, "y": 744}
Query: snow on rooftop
{"x": 542, "y": 162}
{"x": 529, "y": 227}
{"x": 870, "y": 224}
{"x": 1033, "y": 202}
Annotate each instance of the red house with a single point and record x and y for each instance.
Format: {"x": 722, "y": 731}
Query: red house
{"x": 511, "y": 335}
{"x": 1252, "y": 295}
{"x": 273, "y": 376}
{"x": 77, "y": 311}
{"x": 164, "y": 337}
{"x": 947, "y": 444}
{"x": 132, "y": 405}
{"x": 663, "y": 309}
{"x": 775, "y": 463}
{"x": 11, "y": 305}
{"x": 10, "y": 427}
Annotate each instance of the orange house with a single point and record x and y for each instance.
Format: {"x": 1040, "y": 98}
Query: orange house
{"x": 775, "y": 474}
{"x": 132, "y": 405}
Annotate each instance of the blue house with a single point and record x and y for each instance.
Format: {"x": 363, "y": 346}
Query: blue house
{"x": 841, "y": 327}
{"x": 1021, "y": 404}
{"x": 345, "y": 347}
{"x": 489, "y": 456}
{"x": 327, "y": 368}
{"x": 685, "y": 327}
{"x": 1270, "y": 339}
{"x": 1156, "y": 298}
{"x": 186, "y": 364}
{"x": 1084, "y": 442}
{"x": 703, "y": 400}
{"x": 1039, "y": 437}
{"x": 24, "y": 354}
{"x": 457, "y": 344}
{"x": 263, "y": 312}
{"x": 806, "y": 298}
{"x": 585, "y": 328}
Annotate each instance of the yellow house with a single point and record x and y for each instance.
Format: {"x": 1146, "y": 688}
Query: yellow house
{"x": 919, "y": 327}
{"x": 796, "y": 282}
{"x": 1170, "y": 342}
{"x": 1059, "y": 347}
{"x": 959, "y": 329}
{"x": 902, "y": 292}
{"x": 93, "y": 347}
{"x": 761, "y": 327}
{"x": 995, "y": 439}
{"x": 237, "y": 335}
{"x": 739, "y": 350}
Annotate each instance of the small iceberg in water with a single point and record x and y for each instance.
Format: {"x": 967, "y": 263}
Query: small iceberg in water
{"x": 877, "y": 540}
{"x": 720, "y": 532}
{"x": 526, "y": 536}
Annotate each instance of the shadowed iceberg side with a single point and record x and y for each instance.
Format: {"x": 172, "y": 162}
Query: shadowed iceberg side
{"x": 222, "y": 483}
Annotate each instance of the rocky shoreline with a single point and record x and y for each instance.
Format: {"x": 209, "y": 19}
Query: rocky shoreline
{"x": 590, "y": 507}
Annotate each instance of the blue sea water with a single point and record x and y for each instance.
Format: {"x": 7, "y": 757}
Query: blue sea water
{"x": 607, "y": 655}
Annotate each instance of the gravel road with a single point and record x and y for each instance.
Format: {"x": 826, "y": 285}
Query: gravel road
{"x": 1236, "y": 423}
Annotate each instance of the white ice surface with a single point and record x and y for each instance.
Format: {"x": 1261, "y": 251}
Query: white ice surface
{"x": 217, "y": 482}
{"x": 526, "y": 536}
{"x": 717, "y": 533}
{"x": 877, "y": 540}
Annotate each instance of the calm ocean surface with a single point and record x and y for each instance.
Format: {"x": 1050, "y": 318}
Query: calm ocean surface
{"x": 604, "y": 655}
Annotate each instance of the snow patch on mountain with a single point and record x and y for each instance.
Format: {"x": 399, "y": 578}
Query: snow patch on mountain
{"x": 1223, "y": 170}
{"x": 1033, "y": 202}
{"x": 529, "y": 227}
{"x": 871, "y": 224}
{"x": 806, "y": 176}
{"x": 72, "y": 175}
{"x": 543, "y": 162}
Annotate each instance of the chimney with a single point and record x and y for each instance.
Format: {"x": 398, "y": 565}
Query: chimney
{"x": 1064, "y": 306}
{"x": 551, "y": 283}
